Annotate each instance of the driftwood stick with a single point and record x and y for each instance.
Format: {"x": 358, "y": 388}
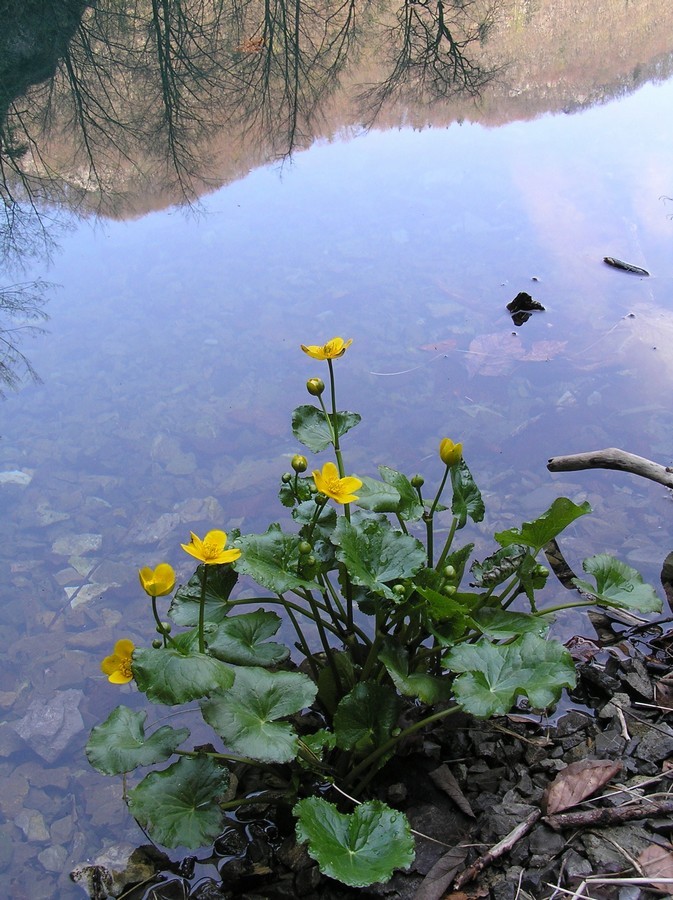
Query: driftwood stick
{"x": 613, "y": 458}
{"x": 610, "y": 815}
{"x": 497, "y": 850}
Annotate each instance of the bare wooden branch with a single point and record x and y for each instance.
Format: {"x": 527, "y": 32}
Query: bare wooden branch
{"x": 613, "y": 458}
{"x": 610, "y": 815}
{"x": 497, "y": 850}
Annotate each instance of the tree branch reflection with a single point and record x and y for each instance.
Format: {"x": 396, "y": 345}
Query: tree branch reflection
{"x": 430, "y": 52}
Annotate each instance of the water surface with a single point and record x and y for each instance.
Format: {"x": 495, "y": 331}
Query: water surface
{"x": 172, "y": 364}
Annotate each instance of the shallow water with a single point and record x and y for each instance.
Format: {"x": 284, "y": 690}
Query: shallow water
{"x": 172, "y": 363}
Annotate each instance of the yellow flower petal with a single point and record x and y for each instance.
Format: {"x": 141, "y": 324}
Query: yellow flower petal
{"x": 333, "y": 349}
{"x": 339, "y": 489}
{"x": 450, "y": 453}
{"x": 157, "y": 582}
{"x": 211, "y": 550}
{"x": 118, "y": 666}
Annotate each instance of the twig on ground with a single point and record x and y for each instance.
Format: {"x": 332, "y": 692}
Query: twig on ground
{"x": 609, "y": 816}
{"x": 498, "y": 849}
{"x": 613, "y": 458}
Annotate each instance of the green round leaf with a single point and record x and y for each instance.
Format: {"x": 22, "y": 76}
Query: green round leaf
{"x": 179, "y": 806}
{"x": 366, "y": 717}
{"x": 359, "y": 849}
{"x": 493, "y": 675}
{"x": 618, "y": 585}
{"x": 373, "y": 552}
{"x": 184, "y": 608}
{"x": 547, "y": 526}
{"x": 170, "y": 676}
{"x": 119, "y": 744}
{"x": 246, "y": 717}
{"x": 240, "y": 640}
{"x": 311, "y": 428}
{"x": 272, "y": 559}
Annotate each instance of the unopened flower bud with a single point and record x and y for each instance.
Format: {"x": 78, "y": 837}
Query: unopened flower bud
{"x": 449, "y": 572}
{"x": 286, "y": 477}
{"x": 299, "y": 463}
{"x": 450, "y": 453}
{"x": 315, "y": 386}
{"x": 305, "y": 547}
{"x": 157, "y": 644}
{"x": 399, "y": 589}
{"x": 164, "y": 628}
{"x": 417, "y": 481}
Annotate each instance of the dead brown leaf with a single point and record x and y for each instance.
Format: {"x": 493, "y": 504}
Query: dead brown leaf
{"x": 440, "y": 346}
{"x": 494, "y": 354}
{"x": 444, "y": 780}
{"x": 576, "y": 782}
{"x": 663, "y": 688}
{"x": 542, "y": 351}
{"x": 657, "y": 861}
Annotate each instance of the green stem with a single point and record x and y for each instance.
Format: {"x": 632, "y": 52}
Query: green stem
{"x": 160, "y": 628}
{"x": 323, "y": 640}
{"x": 429, "y": 537}
{"x": 561, "y": 606}
{"x": 401, "y": 523}
{"x": 389, "y": 744}
{"x": 439, "y": 492}
{"x": 303, "y": 645}
{"x": 447, "y": 545}
{"x": 230, "y": 757}
{"x": 202, "y": 610}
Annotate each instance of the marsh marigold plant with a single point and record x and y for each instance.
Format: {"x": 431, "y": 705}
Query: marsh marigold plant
{"x": 395, "y": 626}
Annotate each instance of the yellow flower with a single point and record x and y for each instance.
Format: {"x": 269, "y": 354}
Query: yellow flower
{"x": 157, "y": 582}
{"x": 450, "y": 453}
{"x": 117, "y": 667}
{"x": 331, "y": 350}
{"x": 339, "y": 489}
{"x": 211, "y": 550}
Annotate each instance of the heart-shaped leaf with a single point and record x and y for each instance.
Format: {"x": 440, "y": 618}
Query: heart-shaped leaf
{"x": 272, "y": 559}
{"x": 410, "y": 507}
{"x": 502, "y": 624}
{"x": 184, "y": 608}
{"x": 246, "y": 716}
{"x": 366, "y": 716}
{"x": 428, "y": 688}
{"x": 467, "y": 500}
{"x": 241, "y": 640}
{"x": 377, "y": 496}
{"x": 618, "y": 585}
{"x": 179, "y": 806}
{"x": 494, "y": 675}
{"x": 119, "y": 744}
{"x": 546, "y": 527}
{"x": 178, "y": 674}
{"x": 311, "y": 428}
{"x": 373, "y": 552}
{"x": 359, "y": 849}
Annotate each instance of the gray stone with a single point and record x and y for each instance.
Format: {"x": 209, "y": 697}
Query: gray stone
{"x": 53, "y": 858}
{"x": 31, "y": 822}
{"x": 657, "y": 744}
{"x": 77, "y": 544}
{"x": 50, "y": 725}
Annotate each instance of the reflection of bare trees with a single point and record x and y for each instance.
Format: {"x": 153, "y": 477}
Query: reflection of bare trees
{"x": 139, "y": 91}
{"x": 20, "y": 307}
{"x": 430, "y": 50}
{"x": 288, "y": 63}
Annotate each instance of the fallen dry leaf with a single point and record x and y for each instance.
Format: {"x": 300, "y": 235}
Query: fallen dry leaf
{"x": 494, "y": 354}
{"x": 440, "y": 346}
{"x": 663, "y": 688}
{"x": 542, "y": 351}
{"x": 657, "y": 861}
{"x": 576, "y": 782}
{"x": 444, "y": 780}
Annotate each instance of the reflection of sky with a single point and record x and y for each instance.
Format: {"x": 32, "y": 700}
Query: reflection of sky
{"x": 173, "y": 360}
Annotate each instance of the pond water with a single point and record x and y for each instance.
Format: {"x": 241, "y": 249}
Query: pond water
{"x": 171, "y": 363}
